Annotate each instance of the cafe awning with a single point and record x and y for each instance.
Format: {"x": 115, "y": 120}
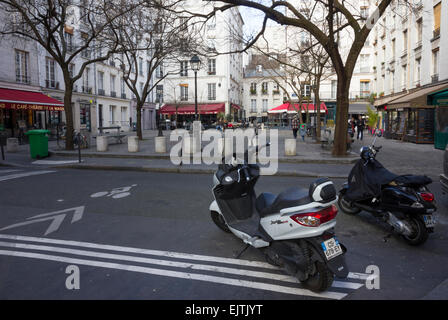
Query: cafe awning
{"x": 28, "y": 100}
{"x": 418, "y": 98}
{"x": 289, "y": 108}
{"x": 213, "y": 108}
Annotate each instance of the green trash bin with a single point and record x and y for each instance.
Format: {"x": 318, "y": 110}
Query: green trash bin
{"x": 38, "y": 143}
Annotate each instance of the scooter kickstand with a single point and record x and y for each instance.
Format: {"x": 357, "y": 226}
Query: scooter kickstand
{"x": 242, "y": 251}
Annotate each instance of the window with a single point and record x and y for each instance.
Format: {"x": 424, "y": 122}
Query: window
{"x": 140, "y": 66}
{"x": 334, "y": 86}
{"x": 111, "y": 114}
{"x": 183, "y": 92}
{"x": 124, "y": 111}
{"x": 435, "y": 65}
{"x": 184, "y": 68}
{"x": 253, "y": 88}
{"x": 417, "y": 71}
{"x": 85, "y": 53}
{"x": 419, "y": 31}
{"x": 306, "y": 90}
{"x": 437, "y": 10}
{"x": 68, "y": 38}
{"x": 85, "y": 81}
{"x": 364, "y": 65}
{"x": 123, "y": 89}
{"x": 159, "y": 71}
{"x": 71, "y": 69}
{"x": 364, "y": 13}
{"x": 211, "y": 23}
{"x": 393, "y": 49}
{"x": 253, "y": 105}
{"x": 159, "y": 93}
{"x": 50, "y": 81}
{"x": 22, "y": 62}
{"x": 364, "y": 86}
{"x": 405, "y": 42}
{"x": 265, "y": 105}
{"x": 212, "y": 66}
{"x": 264, "y": 88}
{"x": 101, "y": 83}
{"x": 211, "y": 91}
{"x": 404, "y": 70}
{"x": 113, "y": 93}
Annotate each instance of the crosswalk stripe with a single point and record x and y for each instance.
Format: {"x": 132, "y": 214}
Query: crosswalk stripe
{"x": 233, "y": 270}
{"x": 177, "y": 274}
{"x": 24, "y": 174}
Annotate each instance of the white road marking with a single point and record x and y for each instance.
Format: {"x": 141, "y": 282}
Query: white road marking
{"x": 175, "y": 264}
{"x": 169, "y": 254}
{"x": 55, "y": 162}
{"x": 25, "y": 174}
{"x": 56, "y": 217}
{"x": 9, "y": 171}
{"x": 177, "y": 274}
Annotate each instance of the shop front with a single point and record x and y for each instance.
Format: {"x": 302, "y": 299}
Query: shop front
{"x": 185, "y": 113}
{"x": 440, "y": 101}
{"x": 23, "y": 110}
{"x": 411, "y": 118}
{"x": 280, "y": 116}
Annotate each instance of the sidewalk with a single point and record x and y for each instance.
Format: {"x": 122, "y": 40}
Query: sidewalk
{"x": 311, "y": 160}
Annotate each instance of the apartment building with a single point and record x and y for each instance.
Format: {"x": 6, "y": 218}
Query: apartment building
{"x": 219, "y": 79}
{"x": 409, "y": 43}
{"x": 100, "y": 97}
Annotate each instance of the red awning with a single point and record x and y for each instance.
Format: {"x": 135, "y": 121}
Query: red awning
{"x": 235, "y": 106}
{"x": 288, "y": 107}
{"x": 29, "y": 100}
{"x": 213, "y": 108}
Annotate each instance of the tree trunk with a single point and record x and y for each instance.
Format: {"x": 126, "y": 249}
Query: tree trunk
{"x": 139, "y": 120}
{"x": 340, "y": 135}
{"x": 317, "y": 105}
{"x": 69, "y": 145}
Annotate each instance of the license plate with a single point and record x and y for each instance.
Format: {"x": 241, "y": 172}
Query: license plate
{"x": 331, "y": 248}
{"x": 430, "y": 221}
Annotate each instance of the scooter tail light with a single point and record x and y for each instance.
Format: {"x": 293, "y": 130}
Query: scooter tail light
{"x": 315, "y": 219}
{"x": 427, "y": 196}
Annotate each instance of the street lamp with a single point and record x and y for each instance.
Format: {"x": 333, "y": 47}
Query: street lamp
{"x": 195, "y": 64}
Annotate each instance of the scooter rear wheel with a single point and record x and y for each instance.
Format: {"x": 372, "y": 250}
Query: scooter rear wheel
{"x": 321, "y": 280}
{"x": 419, "y": 234}
{"x": 219, "y": 221}
{"x": 346, "y": 207}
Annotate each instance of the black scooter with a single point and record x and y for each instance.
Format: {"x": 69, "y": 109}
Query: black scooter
{"x": 403, "y": 202}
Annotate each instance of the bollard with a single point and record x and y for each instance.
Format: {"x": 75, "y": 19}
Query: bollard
{"x": 101, "y": 143}
{"x": 160, "y": 144}
{"x": 133, "y": 144}
{"x": 12, "y": 145}
{"x": 290, "y": 147}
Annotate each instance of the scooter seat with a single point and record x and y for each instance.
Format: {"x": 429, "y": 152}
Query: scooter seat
{"x": 412, "y": 180}
{"x": 292, "y": 197}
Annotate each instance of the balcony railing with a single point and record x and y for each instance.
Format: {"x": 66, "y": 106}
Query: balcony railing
{"x": 435, "y": 78}
{"x": 123, "y": 96}
{"x": 86, "y": 89}
{"x": 101, "y": 92}
{"x": 113, "y": 94}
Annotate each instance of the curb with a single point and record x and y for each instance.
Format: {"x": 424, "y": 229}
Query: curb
{"x": 190, "y": 170}
{"x": 166, "y": 157}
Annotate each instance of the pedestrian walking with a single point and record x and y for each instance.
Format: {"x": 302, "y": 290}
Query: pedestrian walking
{"x": 303, "y": 131}
{"x": 295, "y": 126}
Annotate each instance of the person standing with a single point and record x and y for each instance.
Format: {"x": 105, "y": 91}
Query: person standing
{"x": 360, "y": 128}
{"x": 303, "y": 131}
{"x": 295, "y": 126}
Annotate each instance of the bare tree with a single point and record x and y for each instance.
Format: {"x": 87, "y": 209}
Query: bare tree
{"x": 337, "y": 17}
{"x": 152, "y": 42}
{"x": 69, "y": 31}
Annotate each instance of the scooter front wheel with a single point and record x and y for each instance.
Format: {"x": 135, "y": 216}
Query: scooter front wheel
{"x": 219, "y": 221}
{"x": 321, "y": 280}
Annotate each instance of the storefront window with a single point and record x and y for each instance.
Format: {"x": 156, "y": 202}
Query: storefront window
{"x": 410, "y": 126}
{"x": 84, "y": 110}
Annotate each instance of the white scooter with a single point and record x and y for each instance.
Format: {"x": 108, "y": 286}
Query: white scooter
{"x": 295, "y": 229}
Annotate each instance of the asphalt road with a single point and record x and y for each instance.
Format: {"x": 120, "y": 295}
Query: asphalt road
{"x": 155, "y": 240}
